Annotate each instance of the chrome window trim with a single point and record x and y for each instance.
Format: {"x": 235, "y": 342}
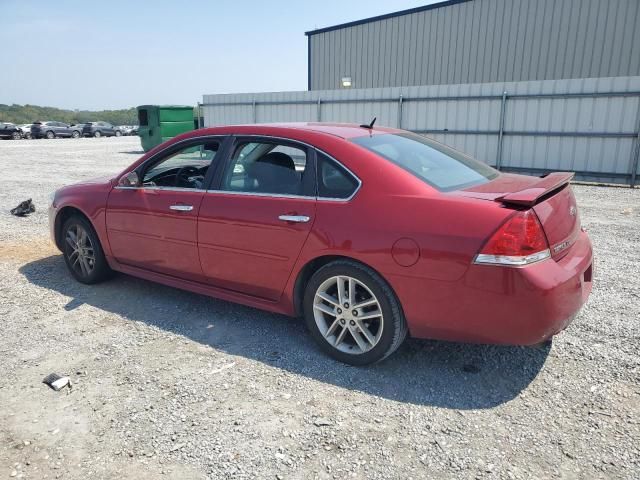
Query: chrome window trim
{"x": 170, "y": 189}
{"x": 262, "y": 194}
{"x": 254, "y": 194}
{"x": 280, "y": 195}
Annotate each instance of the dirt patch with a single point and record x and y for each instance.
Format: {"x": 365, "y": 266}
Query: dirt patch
{"x": 30, "y": 249}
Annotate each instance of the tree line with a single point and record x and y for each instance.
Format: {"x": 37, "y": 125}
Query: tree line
{"x": 20, "y": 114}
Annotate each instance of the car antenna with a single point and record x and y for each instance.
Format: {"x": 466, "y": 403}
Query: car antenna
{"x": 370, "y": 126}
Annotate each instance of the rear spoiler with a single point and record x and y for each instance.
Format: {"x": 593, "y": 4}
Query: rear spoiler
{"x": 532, "y": 194}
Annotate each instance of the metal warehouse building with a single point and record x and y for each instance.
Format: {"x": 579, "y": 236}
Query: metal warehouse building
{"x": 479, "y": 41}
{"x": 527, "y": 86}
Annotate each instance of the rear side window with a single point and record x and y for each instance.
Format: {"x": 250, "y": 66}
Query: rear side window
{"x": 436, "y": 164}
{"x": 333, "y": 180}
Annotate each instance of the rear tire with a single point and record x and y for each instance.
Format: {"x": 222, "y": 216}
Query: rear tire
{"x": 82, "y": 251}
{"x": 50, "y": 135}
{"x": 97, "y": 134}
{"x": 118, "y": 133}
{"x": 357, "y": 327}
{"x": 16, "y": 135}
{"x": 75, "y": 134}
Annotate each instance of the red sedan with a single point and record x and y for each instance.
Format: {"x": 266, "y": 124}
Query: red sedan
{"x": 369, "y": 233}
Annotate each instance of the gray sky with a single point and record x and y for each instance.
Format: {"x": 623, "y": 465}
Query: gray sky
{"x": 116, "y": 54}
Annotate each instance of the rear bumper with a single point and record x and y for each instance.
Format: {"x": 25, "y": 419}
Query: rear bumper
{"x": 505, "y": 305}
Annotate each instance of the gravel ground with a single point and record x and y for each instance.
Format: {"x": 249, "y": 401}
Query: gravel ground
{"x": 169, "y": 384}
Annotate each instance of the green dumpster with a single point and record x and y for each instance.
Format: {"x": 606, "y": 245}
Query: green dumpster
{"x": 159, "y": 123}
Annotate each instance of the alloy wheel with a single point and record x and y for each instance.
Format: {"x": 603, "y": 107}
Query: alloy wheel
{"x": 348, "y": 315}
{"x": 80, "y": 250}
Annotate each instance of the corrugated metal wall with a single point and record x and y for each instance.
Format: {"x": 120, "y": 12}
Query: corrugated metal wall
{"x": 482, "y": 41}
{"x": 588, "y": 125}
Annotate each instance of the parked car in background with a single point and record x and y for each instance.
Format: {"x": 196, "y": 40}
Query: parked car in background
{"x": 369, "y": 233}
{"x": 124, "y": 129}
{"x": 77, "y": 129}
{"x": 10, "y": 130}
{"x": 25, "y": 130}
{"x": 51, "y": 130}
{"x": 100, "y": 129}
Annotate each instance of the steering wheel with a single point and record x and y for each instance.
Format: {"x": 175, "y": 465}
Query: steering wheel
{"x": 182, "y": 177}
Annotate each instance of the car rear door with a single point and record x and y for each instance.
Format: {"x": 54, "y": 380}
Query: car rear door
{"x": 153, "y": 225}
{"x": 256, "y": 218}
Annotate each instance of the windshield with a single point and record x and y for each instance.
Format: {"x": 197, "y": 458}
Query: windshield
{"x": 434, "y": 163}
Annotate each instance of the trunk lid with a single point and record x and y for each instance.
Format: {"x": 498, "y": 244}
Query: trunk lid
{"x": 550, "y": 197}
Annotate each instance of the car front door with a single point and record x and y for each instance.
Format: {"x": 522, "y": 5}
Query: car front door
{"x": 63, "y": 130}
{"x": 257, "y": 216}
{"x": 153, "y": 224}
{"x": 108, "y": 130}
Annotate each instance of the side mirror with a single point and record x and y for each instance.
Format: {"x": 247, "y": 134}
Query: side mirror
{"x": 131, "y": 179}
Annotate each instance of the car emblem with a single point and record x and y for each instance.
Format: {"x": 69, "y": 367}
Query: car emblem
{"x": 561, "y": 246}
{"x": 572, "y": 211}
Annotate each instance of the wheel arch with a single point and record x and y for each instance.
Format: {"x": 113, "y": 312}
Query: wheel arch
{"x": 312, "y": 266}
{"x": 62, "y": 216}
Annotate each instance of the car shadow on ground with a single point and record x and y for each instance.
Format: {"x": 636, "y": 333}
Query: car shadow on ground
{"x": 133, "y": 152}
{"x": 443, "y": 374}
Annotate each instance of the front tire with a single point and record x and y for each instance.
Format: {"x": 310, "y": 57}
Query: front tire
{"x": 83, "y": 253}
{"x": 353, "y": 314}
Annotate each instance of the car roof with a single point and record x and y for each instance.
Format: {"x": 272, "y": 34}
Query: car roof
{"x": 342, "y": 130}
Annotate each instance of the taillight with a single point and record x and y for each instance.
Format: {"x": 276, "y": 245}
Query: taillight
{"x": 519, "y": 241}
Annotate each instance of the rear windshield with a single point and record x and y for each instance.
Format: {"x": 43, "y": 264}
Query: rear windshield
{"x": 434, "y": 163}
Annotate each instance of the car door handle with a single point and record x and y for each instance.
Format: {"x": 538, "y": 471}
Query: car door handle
{"x": 294, "y": 218}
{"x": 182, "y": 208}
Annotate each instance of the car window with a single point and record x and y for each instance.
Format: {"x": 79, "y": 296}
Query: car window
{"x": 334, "y": 181}
{"x": 186, "y": 168}
{"x": 436, "y": 164}
{"x": 267, "y": 167}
